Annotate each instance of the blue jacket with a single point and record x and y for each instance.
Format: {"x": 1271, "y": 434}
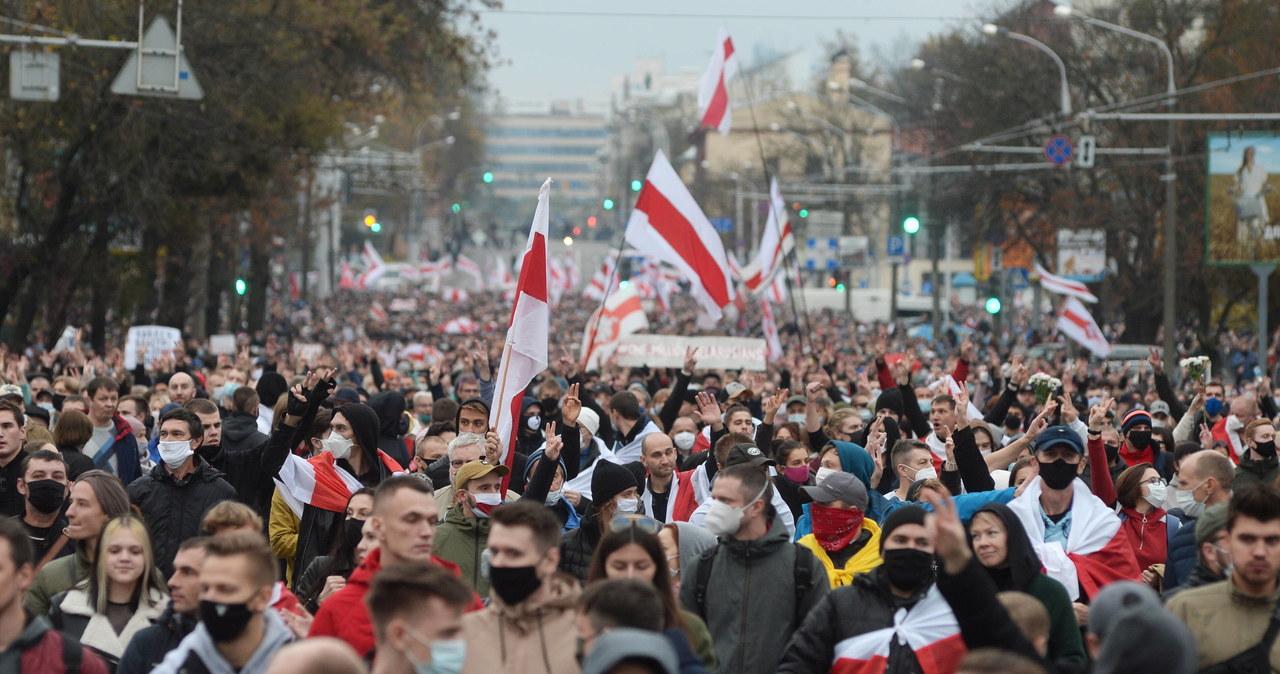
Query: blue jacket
{"x": 125, "y": 448}
{"x": 1182, "y": 554}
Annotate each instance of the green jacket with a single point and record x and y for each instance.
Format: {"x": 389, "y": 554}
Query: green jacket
{"x": 699, "y": 638}
{"x": 56, "y": 576}
{"x": 461, "y": 540}
{"x": 1065, "y": 644}
{"x": 1255, "y": 471}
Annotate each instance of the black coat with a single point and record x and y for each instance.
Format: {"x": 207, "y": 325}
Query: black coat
{"x": 578, "y": 546}
{"x": 240, "y": 433}
{"x": 174, "y": 509}
{"x": 240, "y": 460}
{"x": 147, "y": 648}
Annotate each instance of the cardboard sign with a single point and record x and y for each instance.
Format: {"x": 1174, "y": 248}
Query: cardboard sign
{"x": 155, "y": 339}
{"x": 222, "y": 344}
{"x": 714, "y": 353}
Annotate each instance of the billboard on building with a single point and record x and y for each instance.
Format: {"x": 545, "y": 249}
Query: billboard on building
{"x": 1243, "y": 198}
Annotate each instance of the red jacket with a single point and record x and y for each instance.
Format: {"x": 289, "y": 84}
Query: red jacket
{"x": 344, "y": 614}
{"x": 1148, "y": 535}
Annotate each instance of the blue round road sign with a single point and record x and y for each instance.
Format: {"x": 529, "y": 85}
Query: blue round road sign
{"x": 1059, "y": 150}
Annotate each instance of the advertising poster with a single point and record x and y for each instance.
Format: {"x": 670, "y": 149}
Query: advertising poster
{"x": 1243, "y": 198}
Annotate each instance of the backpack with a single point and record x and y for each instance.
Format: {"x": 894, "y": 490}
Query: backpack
{"x": 802, "y": 572}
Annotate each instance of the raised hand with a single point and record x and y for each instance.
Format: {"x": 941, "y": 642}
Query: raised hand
{"x": 813, "y": 390}
{"x": 1069, "y": 411}
{"x": 480, "y": 356}
{"x": 690, "y": 359}
{"x": 1206, "y": 436}
{"x": 554, "y": 443}
{"x": 492, "y": 448}
{"x": 571, "y": 406}
{"x": 950, "y": 540}
{"x": 1098, "y": 413}
{"x": 774, "y": 403}
{"x": 708, "y": 410}
{"x": 1156, "y": 360}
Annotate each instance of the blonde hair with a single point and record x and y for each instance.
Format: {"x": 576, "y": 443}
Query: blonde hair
{"x": 150, "y": 578}
{"x": 230, "y": 515}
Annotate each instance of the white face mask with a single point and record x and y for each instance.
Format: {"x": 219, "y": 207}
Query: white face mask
{"x": 1186, "y": 499}
{"x": 724, "y": 519}
{"x": 174, "y": 453}
{"x": 337, "y": 445}
{"x": 554, "y": 497}
{"x": 925, "y": 474}
{"x": 798, "y": 418}
{"x": 490, "y": 501}
{"x": 1156, "y": 494}
{"x": 684, "y": 440}
{"x": 628, "y": 505}
{"x": 823, "y": 473}
{"x": 1234, "y": 423}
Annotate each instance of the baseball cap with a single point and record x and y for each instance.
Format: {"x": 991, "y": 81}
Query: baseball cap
{"x": 346, "y": 394}
{"x": 797, "y": 399}
{"x": 737, "y": 388}
{"x": 10, "y": 390}
{"x": 746, "y": 453}
{"x": 1159, "y": 407}
{"x": 1059, "y": 435}
{"x": 839, "y": 486}
{"x": 478, "y": 468}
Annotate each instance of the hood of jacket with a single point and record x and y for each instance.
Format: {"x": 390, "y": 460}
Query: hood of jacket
{"x": 275, "y": 635}
{"x": 238, "y": 426}
{"x": 202, "y": 473}
{"x": 390, "y": 406}
{"x": 562, "y": 595}
{"x": 364, "y": 428}
{"x": 775, "y": 539}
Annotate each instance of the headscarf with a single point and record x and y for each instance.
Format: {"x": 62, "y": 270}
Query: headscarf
{"x": 1021, "y": 563}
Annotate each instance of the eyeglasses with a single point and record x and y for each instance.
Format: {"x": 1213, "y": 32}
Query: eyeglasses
{"x": 1154, "y": 482}
{"x": 621, "y": 523}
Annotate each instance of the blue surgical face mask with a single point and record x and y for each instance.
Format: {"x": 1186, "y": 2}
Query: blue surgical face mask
{"x": 447, "y": 655}
{"x": 865, "y": 414}
{"x": 1213, "y": 406}
{"x": 926, "y": 406}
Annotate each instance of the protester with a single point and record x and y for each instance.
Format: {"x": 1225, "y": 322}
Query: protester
{"x": 614, "y": 491}
{"x": 328, "y": 573}
{"x": 112, "y": 446}
{"x": 1140, "y": 492}
{"x": 43, "y": 486}
{"x": 754, "y": 593}
{"x": 28, "y": 643}
{"x": 843, "y": 539}
{"x": 237, "y": 632}
{"x": 1258, "y": 464}
{"x": 321, "y": 655}
{"x": 96, "y": 498}
{"x": 630, "y": 608}
{"x": 122, "y": 595}
{"x": 416, "y": 609}
{"x": 13, "y": 435}
{"x": 463, "y": 449}
{"x": 465, "y": 532}
{"x": 151, "y": 644}
{"x": 1205, "y": 479}
{"x": 528, "y": 625}
{"x": 1129, "y": 631}
{"x": 70, "y": 435}
{"x": 1213, "y": 559}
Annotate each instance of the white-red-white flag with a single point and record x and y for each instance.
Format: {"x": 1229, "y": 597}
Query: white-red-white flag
{"x": 622, "y": 314}
{"x": 460, "y": 326}
{"x": 1063, "y": 285}
{"x": 667, "y": 225}
{"x": 601, "y": 281}
{"x": 525, "y": 352}
{"x": 469, "y": 267}
{"x": 501, "y": 278}
{"x": 346, "y": 277}
{"x": 776, "y": 243}
{"x": 776, "y": 291}
{"x": 713, "y": 92}
{"x": 374, "y": 267}
{"x": 772, "y": 342}
{"x": 1075, "y": 322}
{"x": 455, "y": 295}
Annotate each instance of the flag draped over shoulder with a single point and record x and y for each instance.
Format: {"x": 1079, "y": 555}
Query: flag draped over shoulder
{"x": 320, "y": 482}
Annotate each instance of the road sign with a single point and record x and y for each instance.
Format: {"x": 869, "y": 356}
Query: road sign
{"x": 158, "y": 67}
{"x": 895, "y": 246}
{"x": 1085, "y": 152}
{"x": 1016, "y": 278}
{"x": 1059, "y": 150}
{"x": 723, "y": 225}
{"x": 33, "y": 75}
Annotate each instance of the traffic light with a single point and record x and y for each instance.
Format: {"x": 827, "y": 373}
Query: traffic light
{"x": 241, "y": 286}
{"x": 375, "y": 227}
{"x": 804, "y": 213}
{"x": 636, "y": 185}
{"x": 910, "y": 215}
{"x": 591, "y": 221}
{"x": 457, "y": 208}
{"x": 577, "y": 231}
{"x": 370, "y": 220}
{"x": 487, "y": 177}
{"x": 993, "y": 305}
{"x": 911, "y": 224}
{"x": 608, "y": 204}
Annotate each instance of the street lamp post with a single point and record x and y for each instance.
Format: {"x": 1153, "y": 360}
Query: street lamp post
{"x": 1064, "y": 94}
{"x": 1170, "y": 176}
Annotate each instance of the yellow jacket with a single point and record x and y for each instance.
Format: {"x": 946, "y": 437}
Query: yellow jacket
{"x": 282, "y": 530}
{"x": 863, "y": 561}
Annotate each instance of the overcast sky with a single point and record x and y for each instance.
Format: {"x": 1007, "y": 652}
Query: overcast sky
{"x": 569, "y": 49}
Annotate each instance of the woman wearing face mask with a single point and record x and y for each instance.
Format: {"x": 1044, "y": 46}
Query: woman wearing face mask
{"x": 328, "y": 573}
{"x": 793, "y": 473}
{"x": 631, "y": 549}
{"x": 1001, "y": 546}
{"x": 544, "y": 481}
{"x": 1141, "y": 492}
{"x": 615, "y": 492}
{"x": 122, "y": 594}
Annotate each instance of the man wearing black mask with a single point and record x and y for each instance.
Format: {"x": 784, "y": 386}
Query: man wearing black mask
{"x": 926, "y": 634}
{"x": 1258, "y": 464}
{"x": 1137, "y": 447}
{"x": 237, "y": 632}
{"x": 43, "y": 485}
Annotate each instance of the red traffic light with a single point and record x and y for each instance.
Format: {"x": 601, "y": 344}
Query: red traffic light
{"x": 577, "y": 231}
{"x": 591, "y": 221}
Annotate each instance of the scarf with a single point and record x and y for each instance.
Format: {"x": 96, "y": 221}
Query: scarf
{"x": 835, "y": 528}
{"x": 1133, "y": 457}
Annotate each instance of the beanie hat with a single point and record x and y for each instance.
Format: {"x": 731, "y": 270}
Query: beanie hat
{"x": 1133, "y": 419}
{"x": 911, "y": 514}
{"x": 588, "y": 419}
{"x": 608, "y": 480}
{"x": 270, "y": 387}
{"x": 891, "y": 399}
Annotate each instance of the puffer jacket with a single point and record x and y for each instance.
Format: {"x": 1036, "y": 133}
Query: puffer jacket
{"x": 865, "y": 606}
{"x": 536, "y": 636}
{"x": 578, "y": 546}
{"x": 174, "y": 508}
{"x": 1183, "y": 552}
{"x": 461, "y": 540}
{"x": 751, "y": 598}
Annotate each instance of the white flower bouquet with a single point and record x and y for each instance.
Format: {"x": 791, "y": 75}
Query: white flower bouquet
{"x": 1197, "y": 368}
{"x": 1044, "y": 386}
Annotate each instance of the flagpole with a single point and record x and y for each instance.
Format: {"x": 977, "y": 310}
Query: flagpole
{"x": 608, "y": 290}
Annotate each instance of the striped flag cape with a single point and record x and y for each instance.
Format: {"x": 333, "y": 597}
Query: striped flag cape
{"x": 321, "y": 482}
{"x": 929, "y": 629}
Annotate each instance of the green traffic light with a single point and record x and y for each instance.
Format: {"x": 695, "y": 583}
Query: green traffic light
{"x": 911, "y": 225}
{"x": 636, "y": 185}
{"x": 608, "y": 204}
{"x": 457, "y": 208}
{"x": 993, "y": 305}
{"x": 804, "y": 213}
{"x": 840, "y": 287}
{"x": 376, "y": 227}
{"x": 487, "y": 177}
{"x": 241, "y": 286}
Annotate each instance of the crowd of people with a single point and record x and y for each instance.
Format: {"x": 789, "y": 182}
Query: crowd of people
{"x": 329, "y": 498}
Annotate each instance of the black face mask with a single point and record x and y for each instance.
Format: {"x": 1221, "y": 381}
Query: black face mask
{"x": 908, "y": 568}
{"x": 46, "y": 496}
{"x": 353, "y": 530}
{"x": 514, "y": 584}
{"x": 58, "y": 399}
{"x": 1113, "y": 452}
{"x": 1013, "y": 423}
{"x": 225, "y": 622}
{"x": 1057, "y": 474}
{"x": 1140, "y": 439}
{"x": 1266, "y": 449}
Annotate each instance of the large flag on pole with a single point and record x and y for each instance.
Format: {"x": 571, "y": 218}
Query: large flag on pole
{"x": 775, "y": 244}
{"x": 772, "y": 342}
{"x": 1075, "y": 322}
{"x": 1063, "y": 285}
{"x": 713, "y": 92}
{"x": 667, "y": 225}
{"x": 622, "y": 314}
{"x": 525, "y": 353}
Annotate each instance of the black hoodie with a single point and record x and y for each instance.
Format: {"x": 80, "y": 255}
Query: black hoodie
{"x": 392, "y": 425}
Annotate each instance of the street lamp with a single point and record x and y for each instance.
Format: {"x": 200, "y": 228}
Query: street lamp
{"x": 1065, "y": 10}
{"x": 921, "y": 64}
{"x": 1064, "y": 94}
